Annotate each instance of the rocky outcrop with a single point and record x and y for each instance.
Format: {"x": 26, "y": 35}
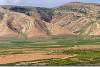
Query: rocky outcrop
{"x": 79, "y": 18}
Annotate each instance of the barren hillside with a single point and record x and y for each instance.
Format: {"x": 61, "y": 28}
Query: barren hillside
{"x": 69, "y": 19}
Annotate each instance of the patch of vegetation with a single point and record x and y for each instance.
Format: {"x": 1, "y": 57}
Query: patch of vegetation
{"x": 83, "y": 57}
{"x": 51, "y": 41}
{"x": 9, "y": 52}
{"x": 49, "y": 62}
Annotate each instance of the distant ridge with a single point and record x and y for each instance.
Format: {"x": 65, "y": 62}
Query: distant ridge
{"x": 73, "y": 18}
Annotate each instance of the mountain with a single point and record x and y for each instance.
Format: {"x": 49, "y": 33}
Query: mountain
{"x": 69, "y": 19}
{"x": 17, "y": 23}
{"x": 79, "y": 18}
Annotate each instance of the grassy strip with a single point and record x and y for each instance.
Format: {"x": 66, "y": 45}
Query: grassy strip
{"x": 53, "y": 41}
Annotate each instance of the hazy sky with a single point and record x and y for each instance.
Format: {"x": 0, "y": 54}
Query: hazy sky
{"x": 42, "y": 3}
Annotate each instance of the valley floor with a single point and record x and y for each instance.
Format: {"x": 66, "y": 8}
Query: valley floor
{"x": 30, "y": 56}
{"x": 62, "y": 50}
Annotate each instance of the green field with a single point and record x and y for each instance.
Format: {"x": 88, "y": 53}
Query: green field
{"x": 86, "y": 57}
{"x": 51, "y": 41}
{"x": 83, "y": 57}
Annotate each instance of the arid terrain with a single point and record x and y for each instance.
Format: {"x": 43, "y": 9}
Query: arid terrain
{"x": 64, "y": 35}
{"x": 69, "y": 19}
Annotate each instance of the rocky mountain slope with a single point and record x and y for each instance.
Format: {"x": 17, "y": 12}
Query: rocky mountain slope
{"x": 69, "y": 19}
{"x": 21, "y": 24}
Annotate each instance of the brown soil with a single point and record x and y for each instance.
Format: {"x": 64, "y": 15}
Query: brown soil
{"x": 28, "y": 57}
{"x": 76, "y": 47}
{"x": 39, "y": 54}
{"x": 82, "y": 47}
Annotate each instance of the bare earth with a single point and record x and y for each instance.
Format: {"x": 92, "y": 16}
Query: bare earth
{"x": 27, "y": 57}
{"x": 81, "y": 47}
{"x": 40, "y": 54}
